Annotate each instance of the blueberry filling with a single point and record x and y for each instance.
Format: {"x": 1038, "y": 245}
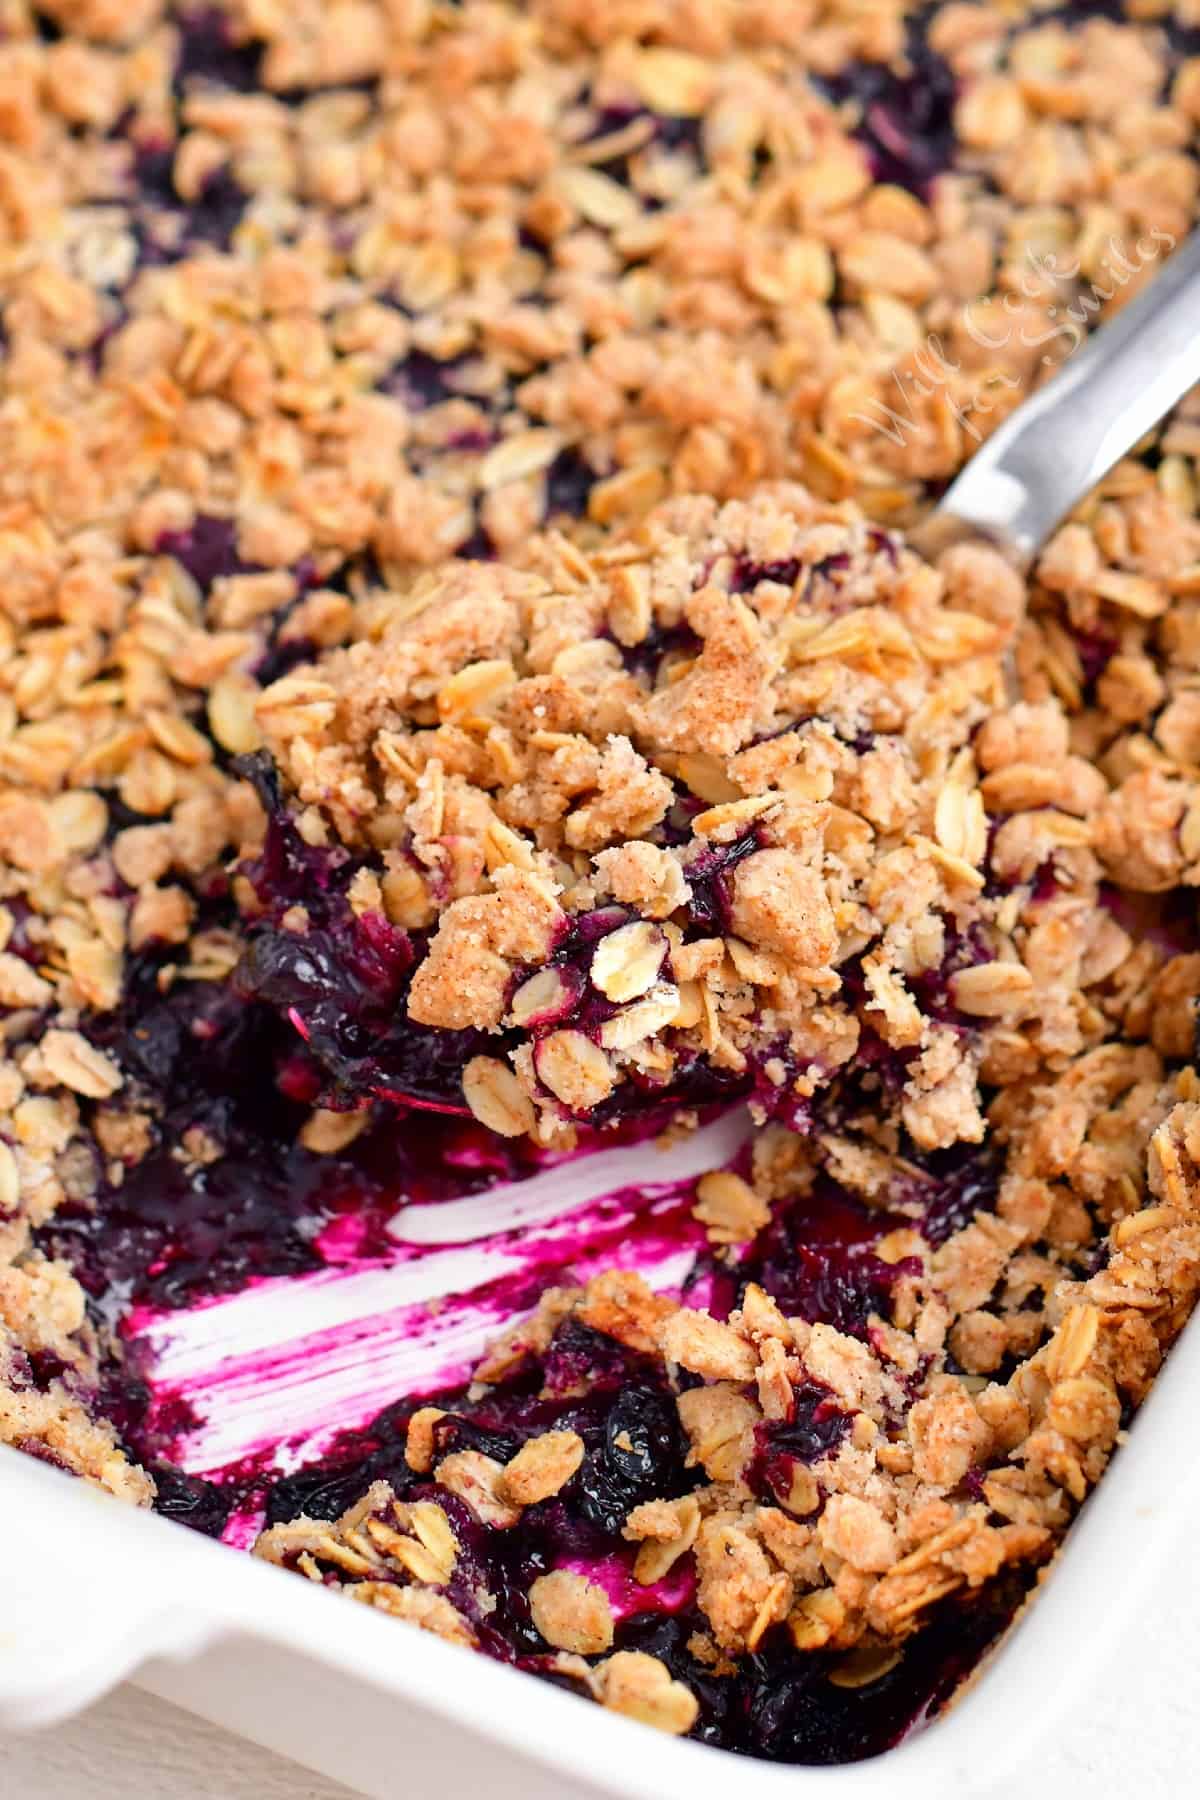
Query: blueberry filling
{"x": 787, "y": 1709}
{"x": 208, "y": 53}
{"x": 342, "y": 982}
{"x": 641, "y": 1458}
{"x": 172, "y": 1225}
{"x": 285, "y": 654}
{"x": 816, "y": 1428}
{"x": 1096, "y": 650}
{"x": 906, "y": 120}
{"x": 816, "y": 1258}
{"x": 207, "y": 549}
{"x": 421, "y": 381}
{"x": 569, "y": 481}
{"x": 671, "y": 131}
{"x": 226, "y": 1193}
{"x": 709, "y": 875}
{"x": 747, "y": 574}
{"x": 646, "y": 657}
{"x": 933, "y": 989}
{"x": 959, "y": 1183}
{"x": 203, "y": 1505}
{"x": 166, "y": 226}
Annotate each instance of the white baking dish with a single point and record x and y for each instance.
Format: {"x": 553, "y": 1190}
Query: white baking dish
{"x": 91, "y": 1592}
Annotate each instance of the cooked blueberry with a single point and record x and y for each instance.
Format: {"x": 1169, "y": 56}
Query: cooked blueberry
{"x": 647, "y": 657}
{"x": 456, "y": 1432}
{"x": 208, "y": 52}
{"x": 324, "y": 1492}
{"x": 747, "y": 574}
{"x": 214, "y": 216}
{"x": 207, "y": 549}
{"x": 907, "y": 121}
{"x": 641, "y": 1458}
{"x": 816, "y": 1259}
{"x": 579, "y": 1360}
{"x": 202, "y": 1505}
{"x": 959, "y": 1183}
{"x": 1096, "y": 649}
{"x": 421, "y": 380}
{"x": 569, "y": 481}
{"x": 816, "y": 1427}
{"x": 709, "y": 877}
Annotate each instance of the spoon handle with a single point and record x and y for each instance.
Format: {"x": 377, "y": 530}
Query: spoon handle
{"x": 1036, "y": 466}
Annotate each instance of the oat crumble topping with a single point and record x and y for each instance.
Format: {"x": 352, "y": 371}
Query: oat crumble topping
{"x": 456, "y": 462}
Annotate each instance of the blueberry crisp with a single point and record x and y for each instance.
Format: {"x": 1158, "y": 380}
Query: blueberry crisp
{"x": 468, "y": 701}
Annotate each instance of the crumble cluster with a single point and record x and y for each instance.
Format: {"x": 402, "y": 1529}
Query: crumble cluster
{"x": 652, "y": 799}
{"x": 298, "y": 301}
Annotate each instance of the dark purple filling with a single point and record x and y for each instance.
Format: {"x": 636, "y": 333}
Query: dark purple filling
{"x": 933, "y": 988}
{"x": 635, "y": 1450}
{"x": 1096, "y": 650}
{"x": 961, "y": 1181}
{"x": 778, "y": 1102}
{"x": 208, "y": 53}
{"x": 45, "y": 1366}
{"x": 207, "y": 549}
{"x": 578, "y": 1358}
{"x": 477, "y": 548}
{"x": 816, "y": 1258}
{"x": 569, "y": 482}
{"x": 747, "y": 574}
{"x": 816, "y": 1428}
{"x": 646, "y": 658}
{"x": 646, "y": 1104}
{"x": 783, "y": 1707}
{"x": 285, "y": 655}
{"x": 342, "y": 984}
{"x": 421, "y": 381}
{"x": 168, "y": 227}
{"x": 214, "y": 216}
{"x": 20, "y": 940}
{"x": 830, "y": 569}
{"x": 1077, "y": 10}
{"x": 581, "y": 1005}
{"x": 672, "y": 131}
{"x": 907, "y": 121}
{"x": 172, "y": 1228}
{"x": 203, "y": 1505}
{"x": 1045, "y": 885}
{"x": 230, "y": 1079}
{"x": 640, "y": 1457}
{"x": 709, "y": 875}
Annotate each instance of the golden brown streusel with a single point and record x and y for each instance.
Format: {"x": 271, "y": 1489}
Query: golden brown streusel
{"x": 834, "y": 681}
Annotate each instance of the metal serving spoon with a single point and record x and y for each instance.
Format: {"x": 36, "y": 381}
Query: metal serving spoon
{"x": 1025, "y": 478}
